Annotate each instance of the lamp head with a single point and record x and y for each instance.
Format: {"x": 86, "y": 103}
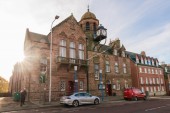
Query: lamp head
{"x": 56, "y": 17}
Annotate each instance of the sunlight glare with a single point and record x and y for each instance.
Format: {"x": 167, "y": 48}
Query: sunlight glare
{"x": 20, "y": 58}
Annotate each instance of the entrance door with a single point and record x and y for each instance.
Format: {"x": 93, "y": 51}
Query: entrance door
{"x": 108, "y": 89}
{"x": 70, "y": 87}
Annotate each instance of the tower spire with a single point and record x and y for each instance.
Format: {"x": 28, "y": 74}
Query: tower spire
{"x": 88, "y": 8}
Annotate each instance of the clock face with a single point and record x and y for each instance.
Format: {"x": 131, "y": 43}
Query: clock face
{"x": 98, "y": 32}
{"x": 104, "y": 32}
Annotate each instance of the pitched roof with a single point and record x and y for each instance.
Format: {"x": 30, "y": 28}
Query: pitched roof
{"x": 38, "y": 37}
{"x": 68, "y": 18}
{"x": 133, "y": 56}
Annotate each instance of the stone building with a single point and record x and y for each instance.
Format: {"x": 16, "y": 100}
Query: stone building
{"x": 147, "y": 74}
{"x": 166, "y": 69}
{"x": 3, "y": 85}
{"x": 73, "y": 47}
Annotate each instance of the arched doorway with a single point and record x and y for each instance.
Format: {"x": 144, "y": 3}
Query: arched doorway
{"x": 108, "y": 88}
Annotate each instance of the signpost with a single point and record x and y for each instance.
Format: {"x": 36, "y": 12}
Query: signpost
{"x": 75, "y": 79}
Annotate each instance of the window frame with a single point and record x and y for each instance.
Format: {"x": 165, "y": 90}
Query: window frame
{"x": 96, "y": 71}
{"x": 107, "y": 64}
{"x": 62, "y": 48}
{"x": 81, "y": 51}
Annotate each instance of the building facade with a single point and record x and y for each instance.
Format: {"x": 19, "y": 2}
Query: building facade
{"x": 147, "y": 74}
{"x": 166, "y": 68}
{"x": 79, "y": 62}
{"x": 3, "y": 86}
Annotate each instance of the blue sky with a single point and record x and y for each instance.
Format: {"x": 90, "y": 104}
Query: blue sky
{"x": 141, "y": 25}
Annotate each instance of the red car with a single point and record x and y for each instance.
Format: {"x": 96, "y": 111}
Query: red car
{"x": 134, "y": 94}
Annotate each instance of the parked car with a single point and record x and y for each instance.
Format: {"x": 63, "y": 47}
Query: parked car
{"x": 79, "y": 98}
{"x": 134, "y": 94}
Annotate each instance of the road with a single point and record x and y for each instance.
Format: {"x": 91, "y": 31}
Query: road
{"x": 149, "y": 106}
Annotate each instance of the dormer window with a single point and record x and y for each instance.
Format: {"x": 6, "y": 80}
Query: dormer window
{"x": 137, "y": 59}
{"x": 153, "y": 62}
{"x": 149, "y": 62}
{"x": 123, "y": 54}
{"x": 157, "y": 63}
{"x": 115, "y": 52}
{"x": 146, "y": 62}
{"x": 166, "y": 69}
{"x": 142, "y": 61}
{"x": 87, "y": 26}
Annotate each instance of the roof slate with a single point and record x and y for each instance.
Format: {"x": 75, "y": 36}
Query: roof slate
{"x": 38, "y": 37}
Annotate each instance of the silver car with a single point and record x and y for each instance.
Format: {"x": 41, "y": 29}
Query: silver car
{"x": 79, "y": 98}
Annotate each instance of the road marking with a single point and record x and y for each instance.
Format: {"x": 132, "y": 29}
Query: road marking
{"x": 155, "y": 108}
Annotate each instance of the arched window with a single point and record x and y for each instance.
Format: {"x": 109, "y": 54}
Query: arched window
{"x": 94, "y": 28}
{"x": 81, "y": 51}
{"x": 72, "y": 52}
{"x": 87, "y": 26}
{"x": 62, "y": 48}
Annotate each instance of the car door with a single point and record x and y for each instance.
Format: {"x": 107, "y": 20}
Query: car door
{"x": 82, "y": 98}
{"x": 88, "y": 98}
{"x": 140, "y": 93}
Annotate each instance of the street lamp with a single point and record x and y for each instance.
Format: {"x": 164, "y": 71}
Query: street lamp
{"x": 56, "y": 17}
{"x": 87, "y": 67}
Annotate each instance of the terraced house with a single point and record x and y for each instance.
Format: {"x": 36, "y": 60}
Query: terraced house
{"x": 147, "y": 74}
{"x": 166, "y": 68}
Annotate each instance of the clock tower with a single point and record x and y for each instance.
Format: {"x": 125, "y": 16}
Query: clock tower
{"x": 89, "y": 24}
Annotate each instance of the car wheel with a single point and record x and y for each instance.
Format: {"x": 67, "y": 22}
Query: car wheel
{"x": 75, "y": 103}
{"x": 96, "y": 101}
{"x": 135, "y": 98}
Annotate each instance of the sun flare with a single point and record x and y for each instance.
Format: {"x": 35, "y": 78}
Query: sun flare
{"x": 20, "y": 58}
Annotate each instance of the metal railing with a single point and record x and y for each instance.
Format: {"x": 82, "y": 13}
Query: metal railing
{"x": 65, "y": 60}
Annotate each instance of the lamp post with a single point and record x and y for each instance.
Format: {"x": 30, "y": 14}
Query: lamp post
{"x": 75, "y": 79}
{"x": 87, "y": 68}
{"x": 101, "y": 83}
{"x": 56, "y": 17}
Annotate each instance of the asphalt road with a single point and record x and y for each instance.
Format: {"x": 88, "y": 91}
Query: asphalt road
{"x": 149, "y": 106}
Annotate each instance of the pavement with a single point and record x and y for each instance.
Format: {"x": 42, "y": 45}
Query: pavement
{"x": 8, "y": 104}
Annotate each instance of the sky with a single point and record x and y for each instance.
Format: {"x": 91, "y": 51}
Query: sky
{"x": 141, "y": 25}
